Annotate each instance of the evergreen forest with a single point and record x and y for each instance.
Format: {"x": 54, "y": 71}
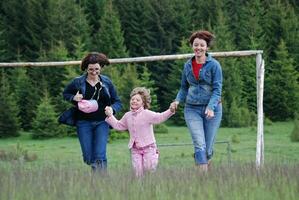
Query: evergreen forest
{"x": 64, "y": 30}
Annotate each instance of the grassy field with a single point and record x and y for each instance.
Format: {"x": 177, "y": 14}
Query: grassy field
{"x": 59, "y": 173}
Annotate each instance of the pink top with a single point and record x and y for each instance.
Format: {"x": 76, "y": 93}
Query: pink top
{"x": 139, "y": 123}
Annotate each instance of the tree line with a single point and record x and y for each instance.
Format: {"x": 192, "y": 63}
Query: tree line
{"x": 61, "y": 30}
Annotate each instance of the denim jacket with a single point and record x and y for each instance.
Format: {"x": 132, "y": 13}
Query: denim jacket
{"x": 79, "y": 84}
{"x": 206, "y": 90}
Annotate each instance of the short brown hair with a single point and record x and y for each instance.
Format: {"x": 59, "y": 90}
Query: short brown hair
{"x": 205, "y": 35}
{"x": 145, "y": 95}
{"x": 93, "y": 58}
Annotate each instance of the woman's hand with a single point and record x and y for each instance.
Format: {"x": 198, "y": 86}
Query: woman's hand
{"x": 209, "y": 113}
{"x": 78, "y": 97}
{"x": 109, "y": 111}
{"x": 173, "y": 106}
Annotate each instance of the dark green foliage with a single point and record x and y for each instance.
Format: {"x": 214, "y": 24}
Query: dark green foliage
{"x": 67, "y": 23}
{"x": 238, "y": 116}
{"x": 59, "y": 30}
{"x": 17, "y": 15}
{"x": 3, "y": 41}
{"x": 26, "y": 97}
{"x": 173, "y": 83}
{"x": 281, "y": 86}
{"x": 135, "y": 17}
{"x": 204, "y": 13}
{"x": 45, "y": 124}
{"x": 9, "y": 121}
{"x": 109, "y": 39}
{"x": 235, "y": 111}
{"x": 114, "y": 135}
{"x": 147, "y": 82}
{"x": 93, "y": 10}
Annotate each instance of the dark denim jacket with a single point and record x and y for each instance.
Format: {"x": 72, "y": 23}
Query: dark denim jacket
{"x": 79, "y": 84}
{"x": 206, "y": 90}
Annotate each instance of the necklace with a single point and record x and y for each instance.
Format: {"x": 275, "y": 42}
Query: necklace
{"x": 93, "y": 82}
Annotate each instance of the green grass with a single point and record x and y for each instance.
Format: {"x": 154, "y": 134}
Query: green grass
{"x": 59, "y": 173}
{"x": 278, "y": 147}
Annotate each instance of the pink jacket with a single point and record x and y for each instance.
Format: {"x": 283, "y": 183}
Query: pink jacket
{"x": 140, "y": 125}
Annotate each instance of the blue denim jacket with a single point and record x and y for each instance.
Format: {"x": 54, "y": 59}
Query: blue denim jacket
{"x": 79, "y": 84}
{"x": 206, "y": 90}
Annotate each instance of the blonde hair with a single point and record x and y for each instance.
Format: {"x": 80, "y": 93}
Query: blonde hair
{"x": 145, "y": 95}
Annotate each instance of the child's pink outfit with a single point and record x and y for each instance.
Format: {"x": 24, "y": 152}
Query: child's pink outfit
{"x": 139, "y": 123}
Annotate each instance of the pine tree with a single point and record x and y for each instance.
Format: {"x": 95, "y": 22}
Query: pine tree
{"x": 173, "y": 83}
{"x": 93, "y": 11}
{"x": 16, "y": 16}
{"x": 147, "y": 82}
{"x": 9, "y": 121}
{"x": 281, "y": 86}
{"x": 249, "y": 30}
{"x": 67, "y": 23}
{"x": 232, "y": 82}
{"x": 272, "y": 27}
{"x": 111, "y": 42}
{"x": 109, "y": 39}
{"x": 204, "y": 13}
{"x": 25, "y": 96}
{"x": 3, "y": 41}
{"x": 137, "y": 28}
{"x": 251, "y": 37}
{"x": 290, "y": 34}
{"x": 45, "y": 124}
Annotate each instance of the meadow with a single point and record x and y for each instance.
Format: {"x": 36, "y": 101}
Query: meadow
{"x": 56, "y": 170}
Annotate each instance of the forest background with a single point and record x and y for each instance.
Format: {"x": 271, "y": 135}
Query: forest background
{"x": 62, "y": 30}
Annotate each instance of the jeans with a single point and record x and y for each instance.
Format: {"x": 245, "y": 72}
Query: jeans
{"x": 93, "y": 138}
{"x": 203, "y": 130}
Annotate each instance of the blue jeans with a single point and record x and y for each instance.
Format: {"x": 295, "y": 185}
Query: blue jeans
{"x": 93, "y": 137}
{"x": 203, "y": 130}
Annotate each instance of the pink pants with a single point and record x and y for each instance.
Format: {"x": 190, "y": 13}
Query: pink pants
{"x": 144, "y": 159}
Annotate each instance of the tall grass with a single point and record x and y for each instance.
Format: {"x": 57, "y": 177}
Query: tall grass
{"x": 58, "y": 171}
{"x": 55, "y": 181}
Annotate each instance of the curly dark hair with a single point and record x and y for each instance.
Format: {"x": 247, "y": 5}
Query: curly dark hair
{"x": 93, "y": 58}
{"x": 205, "y": 35}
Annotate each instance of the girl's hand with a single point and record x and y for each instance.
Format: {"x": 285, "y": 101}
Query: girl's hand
{"x": 173, "y": 106}
{"x": 78, "y": 97}
{"x": 109, "y": 111}
{"x": 209, "y": 113}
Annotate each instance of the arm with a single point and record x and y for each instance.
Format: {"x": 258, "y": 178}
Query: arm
{"x": 71, "y": 92}
{"x": 216, "y": 87}
{"x": 119, "y": 125}
{"x": 157, "y": 118}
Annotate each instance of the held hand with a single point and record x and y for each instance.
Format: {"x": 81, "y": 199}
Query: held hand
{"x": 209, "y": 113}
{"x": 173, "y": 106}
{"x": 108, "y": 111}
{"x": 78, "y": 97}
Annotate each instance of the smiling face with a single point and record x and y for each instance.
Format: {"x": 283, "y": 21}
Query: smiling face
{"x": 199, "y": 47}
{"x": 136, "y": 102}
{"x": 93, "y": 70}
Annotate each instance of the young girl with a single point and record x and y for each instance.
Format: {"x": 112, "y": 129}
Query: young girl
{"x": 139, "y": 122}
